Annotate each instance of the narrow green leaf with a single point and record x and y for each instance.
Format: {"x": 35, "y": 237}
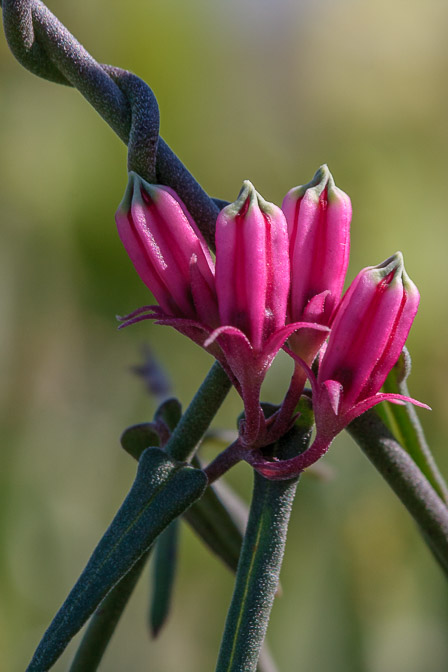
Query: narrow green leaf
{"x": 137, "y": 438}
{"x": 105, "y": 619}
{"x": 164, "y": 572}
{"x": 404, "y": 423}
{"x": 215, "y": 519}
{"x": 218, "y": 518}
{"x": 162, "y": 490}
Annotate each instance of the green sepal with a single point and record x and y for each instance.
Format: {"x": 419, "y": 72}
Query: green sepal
{"x": 163, "y": 575}
{"x": 162, "y": 490}
{"x": 405, "y": 425}
{"x": 305, "y": 420}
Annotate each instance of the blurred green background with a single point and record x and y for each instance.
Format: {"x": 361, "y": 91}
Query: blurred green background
{"x": 261, "y": 90}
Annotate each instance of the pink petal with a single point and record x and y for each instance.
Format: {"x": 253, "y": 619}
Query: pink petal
{"x": 278, "y": 338}
{"x": 368, "y": 403}
{"x": 230, "y": 331}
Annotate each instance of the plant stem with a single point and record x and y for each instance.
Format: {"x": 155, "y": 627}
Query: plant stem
{"x": 224, "y": 461}
{"x": 198, "y": 416}
{"x": 405, "y": 425}
{"x": 257, "y": 575}
{"x": 45, "y": 47}
{"x": 406, "y": 480}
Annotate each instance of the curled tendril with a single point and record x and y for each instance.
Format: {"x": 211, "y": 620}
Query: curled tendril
{"x": 46, "y": 48}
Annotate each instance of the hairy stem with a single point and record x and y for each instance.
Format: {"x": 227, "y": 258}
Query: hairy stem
{"x": 257, "y": 576}
{"x": 44, "y": 46}
{"x": 406, "y": 480}
{"x": 198, "y": 416}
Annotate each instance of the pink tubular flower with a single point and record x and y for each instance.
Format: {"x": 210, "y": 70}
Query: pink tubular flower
{"x": 369, "y": 332}
{"x": 252, "y": 284}
{"x": 252, "y": 266}
{"x": 239, "y": 317}
{"x": 168, "y": 251}
{"x": 367, "y": 337}
{"x": 318, "y": 215}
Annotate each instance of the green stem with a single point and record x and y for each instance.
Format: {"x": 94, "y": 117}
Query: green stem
{"x": 404, "y": 423}
{"x": 198, "y": 416}
{"x": 104, "y": 621}
{"x": 406, "y": 480}
{"x": 257, "y": 575}
{"x": 45, "y": 47}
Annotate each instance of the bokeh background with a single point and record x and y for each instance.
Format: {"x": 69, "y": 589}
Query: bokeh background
{"x": 250, "y": 89}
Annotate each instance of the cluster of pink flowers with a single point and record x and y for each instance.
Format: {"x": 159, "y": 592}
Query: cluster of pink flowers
{"x": 277, "y": 280}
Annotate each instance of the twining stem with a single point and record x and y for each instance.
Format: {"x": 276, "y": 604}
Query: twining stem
{"x": 406, "y": 480}
{"x": 257, "y": 576}
{"x": 44, "y": 46}
{"x": 198, "y": 416}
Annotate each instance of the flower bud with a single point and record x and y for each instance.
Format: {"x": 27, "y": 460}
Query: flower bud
{"x": 369, "y": 330}
{"x": 318, "y": 216}
{"x": 252, "y": 266}
{"x": 367, "y": 337}
{"x": 167, "y": 250}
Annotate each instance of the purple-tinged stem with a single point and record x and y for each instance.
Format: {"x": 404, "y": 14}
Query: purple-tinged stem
{"x": 284, "y": 469}
{"x": 254, "y": 424}
{"x": 224, "y": 461}
{"x": 282, "y": 418}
